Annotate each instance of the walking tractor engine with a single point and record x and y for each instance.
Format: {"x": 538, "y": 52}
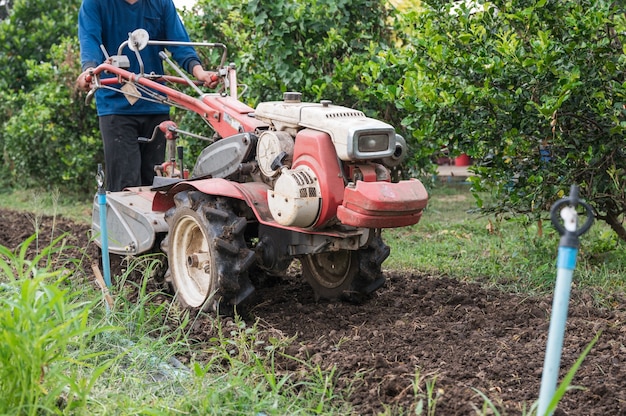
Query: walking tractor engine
{"x": 335, "y": 147}
{"x": 285, "y": 181}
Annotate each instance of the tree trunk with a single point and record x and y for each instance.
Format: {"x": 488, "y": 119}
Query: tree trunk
{"x": 616, "y": 225}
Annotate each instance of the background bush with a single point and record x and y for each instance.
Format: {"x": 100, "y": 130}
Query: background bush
{"x": 51, "y": 140}
{"x": 288, "y": 45}
{"x": 533, "y": 90}
{"x": 48, "y": 137}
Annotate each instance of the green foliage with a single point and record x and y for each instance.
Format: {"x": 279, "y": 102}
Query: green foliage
{"x": 43, "y": 334}
{"x": 532, "y": 90}
{"x": 48, "y": 137}
{"x": 292, "y": 45}
{"x": 32, "y": 28}
{"x": 51, "y": 138}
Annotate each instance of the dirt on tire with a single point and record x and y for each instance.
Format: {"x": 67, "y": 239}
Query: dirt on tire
{"x": 466, "y": 339}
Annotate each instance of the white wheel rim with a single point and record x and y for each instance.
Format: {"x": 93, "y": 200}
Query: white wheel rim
{"x": 192, "y": 270}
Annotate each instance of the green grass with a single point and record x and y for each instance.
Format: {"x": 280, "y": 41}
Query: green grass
{"x": 454, "y": 239}
{"x": 44, "y": 336}
{"x": 46, "y": 202}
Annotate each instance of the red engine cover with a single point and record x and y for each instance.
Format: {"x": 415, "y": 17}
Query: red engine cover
{"x": 315, "y": 149}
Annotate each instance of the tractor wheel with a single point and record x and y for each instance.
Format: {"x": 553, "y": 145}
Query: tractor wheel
{"x": 370, "y": 277}
{"x": 330, "y": 274}
{"x": 207, "y": 255}
{"x": 345, "y": 274}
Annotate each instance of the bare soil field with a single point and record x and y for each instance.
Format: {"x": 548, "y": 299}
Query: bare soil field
{"x": 464, "y": 336}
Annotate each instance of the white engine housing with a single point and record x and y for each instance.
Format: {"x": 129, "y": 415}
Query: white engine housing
{"x": 295, "y": 200}
{"x": 350, "y": 130}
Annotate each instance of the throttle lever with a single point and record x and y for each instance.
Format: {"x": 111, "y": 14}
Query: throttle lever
{"x": 92, "y": 91}
{"x": 89, "y": 96}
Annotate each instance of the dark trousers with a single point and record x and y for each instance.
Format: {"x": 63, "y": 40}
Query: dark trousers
{"x": 126, "y": 161}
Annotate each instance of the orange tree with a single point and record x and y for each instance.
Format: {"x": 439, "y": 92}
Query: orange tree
{"x": 28, "y": 28}
{"x": 288, "y": 45}
{"x": 534, "y": 90}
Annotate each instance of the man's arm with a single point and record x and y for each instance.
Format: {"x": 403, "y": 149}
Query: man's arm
{"x": 186, "y": 56}
{"x": 90, "y": 34}
{"x": 90, "y": 39}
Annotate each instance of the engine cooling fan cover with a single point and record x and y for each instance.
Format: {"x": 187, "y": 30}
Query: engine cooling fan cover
{"x": 295, "y": 200}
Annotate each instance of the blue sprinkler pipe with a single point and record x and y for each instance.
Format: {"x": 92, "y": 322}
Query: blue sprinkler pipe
{"x": 566, "y": 263}
{"x": 104, "y": 235}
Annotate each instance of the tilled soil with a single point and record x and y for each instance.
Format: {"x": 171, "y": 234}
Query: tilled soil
{"x": 462, "y": 338}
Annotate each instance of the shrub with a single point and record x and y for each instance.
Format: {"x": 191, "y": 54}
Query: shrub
{"x": 532, "y": 90}
{"x": 28, "y": 32}
{"x": 292, "y": 45}
{"x": 51, "y": 137}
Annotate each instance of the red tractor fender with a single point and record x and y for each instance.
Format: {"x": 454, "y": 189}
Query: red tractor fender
{"x": 253, "y": 193}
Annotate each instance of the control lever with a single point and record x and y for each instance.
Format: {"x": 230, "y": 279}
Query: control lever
{"x": 180, "y": 72}
{"x": 179, "y": 151}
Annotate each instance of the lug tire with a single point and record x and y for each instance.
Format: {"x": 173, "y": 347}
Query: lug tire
{"x": 347, "y": 275}
{"x": 208, "y": 259}
{"x": 371, "y": 277}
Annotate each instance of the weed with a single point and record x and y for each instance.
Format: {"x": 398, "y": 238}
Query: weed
{"x": 44, "y": 337}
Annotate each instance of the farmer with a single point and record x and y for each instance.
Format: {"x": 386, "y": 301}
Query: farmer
{"x": 123, "y": 118}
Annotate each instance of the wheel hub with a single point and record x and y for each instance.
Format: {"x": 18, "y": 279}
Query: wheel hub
{"x": 332, "y": 268}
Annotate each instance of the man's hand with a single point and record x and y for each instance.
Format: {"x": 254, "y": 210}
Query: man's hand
{"x": 209, "y": 78}
{"x": 83, "y": 82}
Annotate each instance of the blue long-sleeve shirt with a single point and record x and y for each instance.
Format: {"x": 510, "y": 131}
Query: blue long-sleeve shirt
{"x": 108, "y": 23}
